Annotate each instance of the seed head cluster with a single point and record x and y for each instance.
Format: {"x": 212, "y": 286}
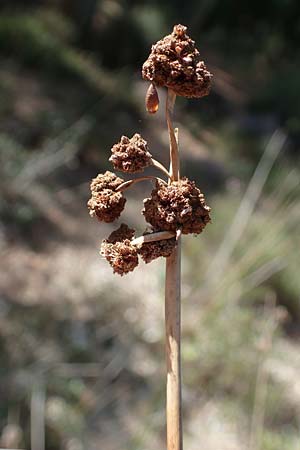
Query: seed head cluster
{"x": 105, "y": 203}
{"x": 121, "y": 234}
{"x": 179, "y": 205}
{"x": 131, "y": 155}
{"x": 119, "y": 251}
{"x": 175, "y": 62}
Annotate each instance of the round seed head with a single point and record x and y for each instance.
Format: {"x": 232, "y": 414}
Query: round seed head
{"x": 179, "y": 205}
{"x": 105, "y": 203}
{"x": 122, "y": 256}
{"x": 131, "y": 155}
{"x": 175, "y": 62}
{"x": 121, "y": 234}
{"x": 108, "y": 180}
{"x": 119, "y": 252}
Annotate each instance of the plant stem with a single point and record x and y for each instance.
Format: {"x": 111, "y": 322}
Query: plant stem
{"x": 129, "y": 183}
{"x": 172, "y": 309}
{"x": 174, "y": 155}
{"x": 159, "y": 166}
{"x": 153, "y": 237}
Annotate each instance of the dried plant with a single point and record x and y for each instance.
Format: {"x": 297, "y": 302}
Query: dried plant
{"x": 175, "y": 62}
{"x": 176, "y": 206}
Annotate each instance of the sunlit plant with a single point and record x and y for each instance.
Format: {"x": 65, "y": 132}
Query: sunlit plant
{"x": 176, "y": 205}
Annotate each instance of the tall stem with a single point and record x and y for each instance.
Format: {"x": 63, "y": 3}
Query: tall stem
{"x": 172, "y": 309}
{"x": 174, "y": 154}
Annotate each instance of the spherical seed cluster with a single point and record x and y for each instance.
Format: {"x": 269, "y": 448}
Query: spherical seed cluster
{"x": 122, "y": 256}
{"x": 131, "y": 155}
{"x": 105, "y": 203}
{"x": 152, "y": 250}
{"x": 179, "y": 205}
{"x": 108, "y": 180}
{"x": 119, "y": 251}
{"x": 175, "y": 62}
{"x": 121, "y": 234}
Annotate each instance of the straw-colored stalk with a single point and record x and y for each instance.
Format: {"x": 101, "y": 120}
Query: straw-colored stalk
{"x": 172, "y": 309}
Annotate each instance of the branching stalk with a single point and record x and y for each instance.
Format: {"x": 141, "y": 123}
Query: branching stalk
{"x": 153, "y": 237}
{"x": 160, "y": 166}
{"x": 129, "y": 183}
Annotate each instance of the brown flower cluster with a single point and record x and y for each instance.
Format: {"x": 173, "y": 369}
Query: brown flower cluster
{"x": 179, "y": 205}
{"x": 131, "y": 155}
{"x": 105, "y": 203}
{"x": 119, "y": 251}
{"x": 121, "y": 234}
{"x": 153, "y": 250}
{"x": 175, "y": 62}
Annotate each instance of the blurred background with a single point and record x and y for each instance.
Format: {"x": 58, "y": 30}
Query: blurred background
{"x": 82, "y": 350}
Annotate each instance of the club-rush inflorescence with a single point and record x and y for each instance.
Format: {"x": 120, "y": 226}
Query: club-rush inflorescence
{"x": 176, "y": 205}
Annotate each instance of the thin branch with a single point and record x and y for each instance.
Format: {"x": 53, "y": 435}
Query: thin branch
{"x": 153, "y": 237}
{"x": 160, "y": 166}
{"x": 129, "y": 183}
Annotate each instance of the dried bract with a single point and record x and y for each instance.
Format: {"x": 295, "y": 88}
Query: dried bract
{"x": 175, "y": 62}
{"x": 179, "y": 205}
{"x": 131, "y": 155}
{"x": 152, "y": 99}
{"x": 105, "y": 203}
{"x": 152, "y": 250}
{"x": 119, "y": 252}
